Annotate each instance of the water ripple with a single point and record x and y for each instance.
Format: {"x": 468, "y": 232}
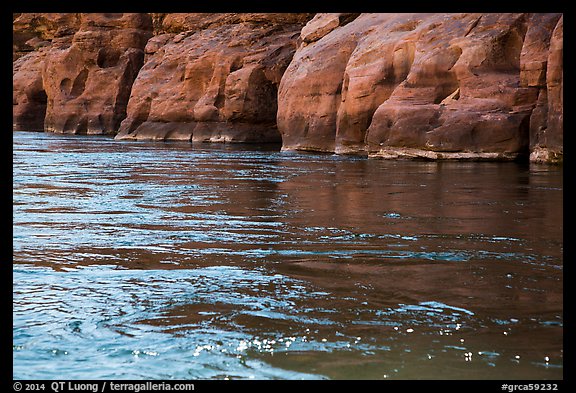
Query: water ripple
{"x": 147, "y": 260}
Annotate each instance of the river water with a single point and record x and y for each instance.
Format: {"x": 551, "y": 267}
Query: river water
{"x": 177, "y": 261}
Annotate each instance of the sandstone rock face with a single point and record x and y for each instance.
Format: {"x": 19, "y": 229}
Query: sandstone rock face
{"x": 432, "y": 86}
{"x": 192, "y": 22}
{"x": 88, "y": 83}
{"x": 28, "y": 95}
{"x": 34, "y": 30}
{"x": 323, "y": 24}
{"x": 213, "y": 77}
{"x": 33, "y": 36}
{"x": 429, "y": 86}
{"x": 547, "y": 123}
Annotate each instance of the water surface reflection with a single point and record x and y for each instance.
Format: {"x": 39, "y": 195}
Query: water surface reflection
{"x": 140, "y": 260}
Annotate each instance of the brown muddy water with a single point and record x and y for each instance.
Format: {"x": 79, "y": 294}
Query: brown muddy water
{"x": 164, "y": 260}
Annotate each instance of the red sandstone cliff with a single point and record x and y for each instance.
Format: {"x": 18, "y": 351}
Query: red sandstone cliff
{"x": 34, "y": 35}
{"x": 79, "y": 78}
{"x": 216, "y": 80}
{"x": 435, "y": 86}
{"x": 425, "y": 85}
{"x": 88, "y": 83}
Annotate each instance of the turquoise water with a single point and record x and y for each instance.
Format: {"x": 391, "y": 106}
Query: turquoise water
{"x": 177, "y": 261}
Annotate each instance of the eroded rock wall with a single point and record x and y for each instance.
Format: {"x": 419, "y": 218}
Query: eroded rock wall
{"x": 33, "y": 37}
{"x": 213, "y": 77}
{"x": 434, "y": 86}
{"x": 30, "y": 31}
{"x": 28, "y": 95}
{"x": 547, "y": 121}
{"x": 89, "y": 82}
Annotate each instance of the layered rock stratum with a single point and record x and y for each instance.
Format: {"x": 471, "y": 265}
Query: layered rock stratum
{"x": 421, "y": 85}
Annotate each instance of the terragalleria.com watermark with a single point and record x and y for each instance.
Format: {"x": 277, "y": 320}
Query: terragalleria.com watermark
{"x": 101, "y": 387}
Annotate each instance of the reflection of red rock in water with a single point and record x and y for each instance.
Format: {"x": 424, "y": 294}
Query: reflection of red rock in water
{"x": 432, "y": 86}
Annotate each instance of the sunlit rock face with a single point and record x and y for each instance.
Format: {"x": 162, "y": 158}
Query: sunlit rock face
{"x": 213, "y": 77}
{"x": 88, "y": 83}
{"x": 32, "y": 38}
{"x": 464, "y": 86}
{"x": 432, "y": 86}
